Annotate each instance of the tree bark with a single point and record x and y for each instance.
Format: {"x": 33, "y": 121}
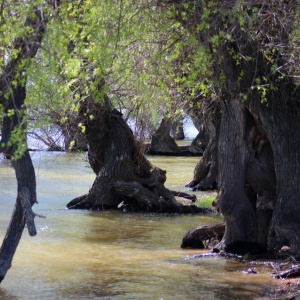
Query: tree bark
{"x": 206, "y": 171}
{"x": 22, "y": 213}
{"x": 125, "y": 178}
{"x": 25, "y": 176}
{"x": 238, "y": 211}
{"x": 201, "y": 141}
{"x": 281, "y": 124}
{"x": 12, "y": 98}
{"x": 177, "y": 131}
{"x": 161, "y": 141}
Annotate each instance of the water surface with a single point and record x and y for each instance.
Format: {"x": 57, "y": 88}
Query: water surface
{"x": 112, "y": 255}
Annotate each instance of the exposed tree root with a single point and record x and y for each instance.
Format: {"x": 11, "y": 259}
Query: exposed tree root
{"x": 198, "y": 236}
{"x": 138, "y": 197}
{"x": 184, "y": 195}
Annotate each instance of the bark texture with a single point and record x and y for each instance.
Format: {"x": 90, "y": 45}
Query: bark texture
{"x": 125, "y": 178}
{"x": 12, "y": 98}
{"x": 161, "y": 141}
{"x": 206, "y": 171}
{"x": 25, "y": 176}
{"x": 177, "y": 131}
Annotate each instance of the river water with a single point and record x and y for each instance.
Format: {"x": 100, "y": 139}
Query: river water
{"x": 112, "y": 255}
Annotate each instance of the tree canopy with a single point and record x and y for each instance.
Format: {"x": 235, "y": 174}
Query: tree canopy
{"x": 149, "y": 66}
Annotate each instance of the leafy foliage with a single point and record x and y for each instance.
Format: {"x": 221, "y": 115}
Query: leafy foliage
{"x": 151, "y": 68}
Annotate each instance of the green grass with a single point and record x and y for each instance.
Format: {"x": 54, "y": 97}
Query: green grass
{"x": 206, "y": 200}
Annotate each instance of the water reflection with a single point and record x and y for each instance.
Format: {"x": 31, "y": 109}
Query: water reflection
{"x": 111, "y": 255}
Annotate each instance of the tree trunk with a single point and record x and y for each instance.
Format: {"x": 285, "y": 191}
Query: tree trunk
{"x": 238, "y": 211}
{"x": 258, "y": 177}
{"x": 200, "y": 142}
{"x": 206, "y": 171}
{"x": 25, "y": 176}
{"x": 111, "y": 152}
{"x": 281, "y": 123}
{"x": 125, "y": 178}
{"x": 161, "y": 142}
{"x": 12, "y": 98}
{"x": 22, "y": 213}
{"x": 177, "y": 131}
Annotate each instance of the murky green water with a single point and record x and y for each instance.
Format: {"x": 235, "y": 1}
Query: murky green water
{"x": 111, "y": 255}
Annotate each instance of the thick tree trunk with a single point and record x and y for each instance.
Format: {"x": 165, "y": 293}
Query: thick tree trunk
{"x": 206, "y": 171}
{"x": 161, "y": 142}
{"x": 233, "y": 202}
{"x": 281, "y": 123}
{"x": 258, "y": 174}
{"x": 177, "y": 131}
{"x": 200, "y": 142}
{"x": 125, "y": 178}
{"x": 111, "y": 156}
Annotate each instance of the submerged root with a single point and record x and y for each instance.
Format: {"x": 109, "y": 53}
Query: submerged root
{"x": 198, "y": 236}
{"x": 148, "y": 195}
{"x": 155, "y": 199}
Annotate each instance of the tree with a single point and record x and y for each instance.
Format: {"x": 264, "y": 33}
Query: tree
{"x": 251, "y": 46}
{"x": 163, "y": 143}
{"x": 206, "y": 171}
{"x": 177, "y": 131}
{"x": 113, "y": 149}
{"x": 85, "y": 67}
{"x": 22, "y": 29}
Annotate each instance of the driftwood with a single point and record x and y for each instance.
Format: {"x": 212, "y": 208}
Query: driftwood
{"x": 292, "y": 271}
{"x": 195, "y": 237}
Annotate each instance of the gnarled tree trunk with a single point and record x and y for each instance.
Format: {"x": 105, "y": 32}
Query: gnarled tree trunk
{"x": 125, "y": 178}
{"x": 281, "y": 122}
{"x": 177, "y": 131}
{"x": 200, "y": 142}
{"x": 161, "y": 141}
{"x": 206, "y": 171}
